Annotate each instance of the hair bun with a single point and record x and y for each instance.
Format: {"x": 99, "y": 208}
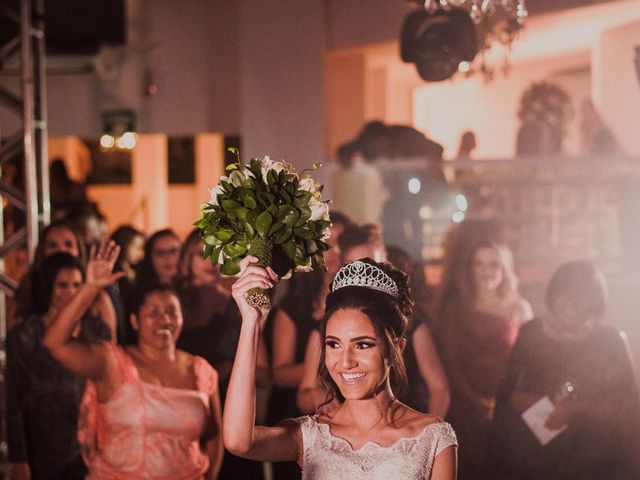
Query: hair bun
{"x": 401, "y": 279}
{"x": 405, "y": 299}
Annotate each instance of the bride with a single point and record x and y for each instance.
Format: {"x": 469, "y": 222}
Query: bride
{"x": 370, "y": 434}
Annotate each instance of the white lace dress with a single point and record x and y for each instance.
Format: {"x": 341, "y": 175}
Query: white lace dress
{"x": 327, "y": 457}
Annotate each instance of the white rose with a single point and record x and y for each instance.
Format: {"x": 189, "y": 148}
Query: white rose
{"x": 277, "y": 166}
{"x": 326, "y": 234}
{"x": 267, "y": 164}
{"x": 306, "y": 267}
{"x": 307, "y": 184}
{"x": 214, "y": 192}
{"x": 319, "y": 210}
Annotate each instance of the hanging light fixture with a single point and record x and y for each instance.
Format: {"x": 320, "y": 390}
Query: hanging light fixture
{"x": 497, "y": 22}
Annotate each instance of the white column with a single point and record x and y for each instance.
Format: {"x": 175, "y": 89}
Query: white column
{"x": 150, "y": 182}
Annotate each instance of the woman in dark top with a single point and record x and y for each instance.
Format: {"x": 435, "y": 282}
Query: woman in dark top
{"x": 477, "y": 315}
{"x": 204, "y": 301}
{"x": 584, "y": 368}
{"x": 58, "y": 236}
{"x": 160, "y": 261}
{"x": 428, "y": 389}
{"x": 286, "y": 337}
{"x": 131, "y": 242}
{"x": 299, "y": 313}
{"x": 42, "y": 395}
{"x": 211, "y": 329}
{"x": 65, "y": 192}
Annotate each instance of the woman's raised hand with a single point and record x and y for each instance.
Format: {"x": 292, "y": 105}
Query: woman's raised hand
{"x": 100, "y": 266}
{"x": 252, "y": 276}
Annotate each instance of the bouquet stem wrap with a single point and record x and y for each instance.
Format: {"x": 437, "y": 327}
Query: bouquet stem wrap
{"x": 262, "y": 249}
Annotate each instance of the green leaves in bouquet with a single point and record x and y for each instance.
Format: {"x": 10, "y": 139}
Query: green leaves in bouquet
{"x": 248, "y": 206}
{"x": 231, "y": 267}
{"x": 263, "y": 223}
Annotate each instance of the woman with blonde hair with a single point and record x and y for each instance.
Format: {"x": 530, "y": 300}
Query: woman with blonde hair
{"x": 478, "y": 314}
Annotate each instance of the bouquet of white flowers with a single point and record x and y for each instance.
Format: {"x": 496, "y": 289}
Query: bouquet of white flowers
{"x": 268, "y": 210}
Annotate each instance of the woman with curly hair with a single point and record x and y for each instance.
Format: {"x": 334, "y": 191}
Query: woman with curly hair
{"x": 478, "y": 313}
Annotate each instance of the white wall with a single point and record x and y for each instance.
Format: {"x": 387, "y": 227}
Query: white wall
{"x": 444, "y": 110}
{"x": 282, "y": 80}
{"x": 189, "y": 48}
{"x": 616, "y": 89}
{"x": 193, "y": 53}
{"x": 360, "y": 22}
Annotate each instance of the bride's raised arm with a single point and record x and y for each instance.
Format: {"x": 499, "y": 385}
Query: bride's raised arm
{"x": 241, "y": 435}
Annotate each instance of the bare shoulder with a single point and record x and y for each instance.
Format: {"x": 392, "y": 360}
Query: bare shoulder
{"x": 328, "y": 417}
{"x": 414, "y": 422}
{"x": 292, "y": 427}
{"x": 185, "y": 359}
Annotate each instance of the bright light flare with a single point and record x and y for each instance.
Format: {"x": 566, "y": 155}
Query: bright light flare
{"x": 107, "y": 141}
{"x": 461, "y": 202}
{"x": 414, "y": 185}
{"x": 127, "y": 141}
{"x": 457, "y": 217}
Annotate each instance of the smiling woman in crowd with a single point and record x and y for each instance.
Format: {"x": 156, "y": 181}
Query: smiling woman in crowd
{"x": 584, "y": 367}
{"x": 149, "y": 410}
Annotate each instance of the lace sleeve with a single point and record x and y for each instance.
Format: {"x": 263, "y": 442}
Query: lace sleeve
{"x": 308, "y": 429}
{"x": 446, "y": 437}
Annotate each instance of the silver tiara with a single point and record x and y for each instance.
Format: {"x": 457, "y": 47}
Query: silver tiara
{"x": 361, "y": 274}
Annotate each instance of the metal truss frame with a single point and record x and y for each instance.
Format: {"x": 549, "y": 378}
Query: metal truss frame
{"x": 28, "y": 50}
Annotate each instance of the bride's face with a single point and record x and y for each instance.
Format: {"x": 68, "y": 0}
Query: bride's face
{"x": 353, "y": 355}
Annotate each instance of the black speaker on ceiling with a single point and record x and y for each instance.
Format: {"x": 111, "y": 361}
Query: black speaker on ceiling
{"x": 437, "y": 42}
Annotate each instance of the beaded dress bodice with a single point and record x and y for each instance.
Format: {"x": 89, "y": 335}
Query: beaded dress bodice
{"x": 327, "y": 456}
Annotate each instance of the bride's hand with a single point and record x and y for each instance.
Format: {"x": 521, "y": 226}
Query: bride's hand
{"x": 252, "y": 276}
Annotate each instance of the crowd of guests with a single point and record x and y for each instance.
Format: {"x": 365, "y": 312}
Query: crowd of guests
{"x": 121, "y": 352}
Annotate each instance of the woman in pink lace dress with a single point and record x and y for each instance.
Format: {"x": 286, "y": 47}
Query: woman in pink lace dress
{"x": 150, "y": 411}
{"x": 370, "y": 434}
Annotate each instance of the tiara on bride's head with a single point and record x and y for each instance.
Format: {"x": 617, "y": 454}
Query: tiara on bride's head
{"x": 361, "y": 274}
